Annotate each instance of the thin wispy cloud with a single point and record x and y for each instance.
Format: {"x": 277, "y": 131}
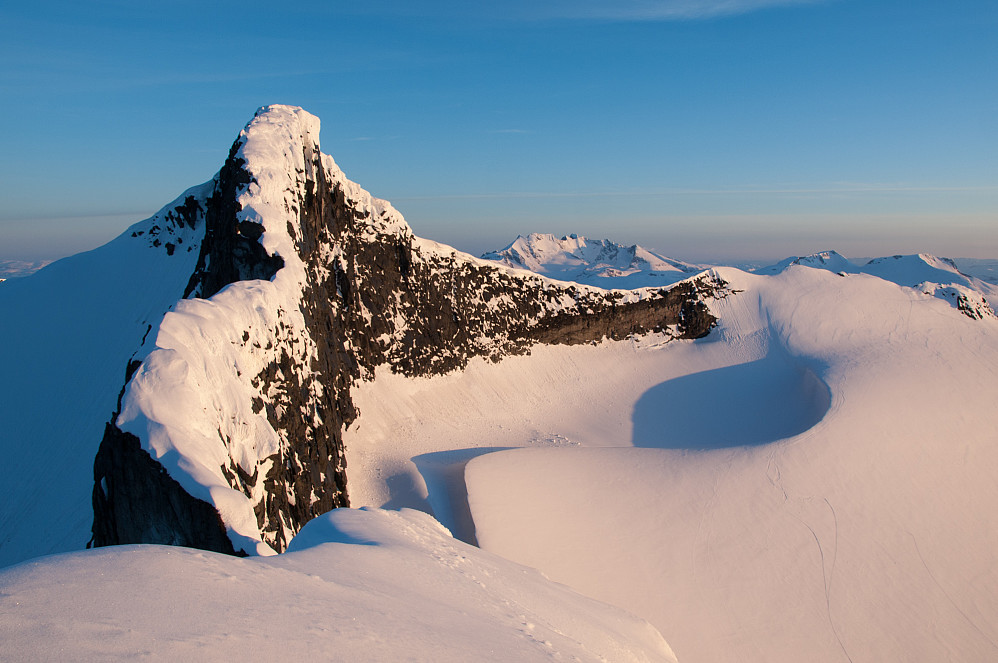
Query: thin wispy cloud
{"x": 856, "y": 188}
{"x": 657, "y": 10}
{"x": 584, "y": 10}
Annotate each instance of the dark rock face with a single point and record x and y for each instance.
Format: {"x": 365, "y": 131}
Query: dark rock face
{"x": 140, "y": 503}
{"x": 231, "y": 249}
{"x": 374, "y": 296}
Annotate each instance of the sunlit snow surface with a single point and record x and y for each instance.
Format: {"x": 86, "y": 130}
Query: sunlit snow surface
{"x": 601, "y": 263}
{"x": 856, "y": 522}
{"x": 355, "y": 586}
{"x": 870, "y": 536}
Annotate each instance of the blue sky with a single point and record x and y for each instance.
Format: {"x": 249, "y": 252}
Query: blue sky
{"x": 709, "y": 130}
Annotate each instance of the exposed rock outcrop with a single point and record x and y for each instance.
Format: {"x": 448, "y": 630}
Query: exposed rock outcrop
{"x": 136, "y": 501}
{"x": 352, "y": 290}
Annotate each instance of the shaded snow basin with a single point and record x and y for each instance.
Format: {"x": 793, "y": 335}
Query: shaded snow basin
{"x": 747, "y": 404}
{"x": 753, "y": 403}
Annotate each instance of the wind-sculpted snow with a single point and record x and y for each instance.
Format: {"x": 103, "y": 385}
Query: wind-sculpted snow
{"x": 867, "y": 536}
{"x": 355, "y": 586}
{"x": 668, "y": 415}
{"x": 305, "y": 284}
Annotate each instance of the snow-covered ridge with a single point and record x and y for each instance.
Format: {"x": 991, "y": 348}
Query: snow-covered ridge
{"x": 304, "y": 285}
{"x": 934, "y": 276}
{"x": 351, "y": 577}
{"x": 600, "y": 263}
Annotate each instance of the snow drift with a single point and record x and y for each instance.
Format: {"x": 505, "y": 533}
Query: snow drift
{"x": 354, "y": 586}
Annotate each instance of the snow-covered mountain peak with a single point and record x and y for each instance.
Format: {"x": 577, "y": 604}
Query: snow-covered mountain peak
{"x": 830, "y": 260}
{"x": 305, "y": 284}
{"x": 934, "y": 276}
{"x": 915, "y": 269}
{"x": 282, "y": 154}
{"x": 601, "y": 263}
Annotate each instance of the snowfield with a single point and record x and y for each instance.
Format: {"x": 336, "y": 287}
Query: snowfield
{"x": 814, "y": 479}
{"x": 869, "y": 536}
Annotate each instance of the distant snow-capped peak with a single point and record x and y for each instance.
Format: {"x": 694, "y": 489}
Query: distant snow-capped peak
{"x": 830, "y": 260}
{"x": 593, "y": 262}
{"x": 935, "y": 276}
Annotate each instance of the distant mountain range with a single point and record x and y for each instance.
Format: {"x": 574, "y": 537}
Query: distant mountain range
{"x": 17, "y": 268}
{"x": 594, "y": 262}
{"x": 939, "y": 277}
{"x": 605, "y": 264}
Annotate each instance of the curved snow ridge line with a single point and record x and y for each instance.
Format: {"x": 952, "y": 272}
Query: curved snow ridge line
{"x": 352, "y": 577}
{"x": 828, "y": 530}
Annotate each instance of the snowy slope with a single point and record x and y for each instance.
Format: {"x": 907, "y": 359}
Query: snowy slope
{"x": 813, "y": 480}
{"x": 868, "y": 535}
{"x": 594, "y": 262}
{"x": 66, "y": 336}
{"x": 355, "y": 586}
{"x": 857, "y": 521}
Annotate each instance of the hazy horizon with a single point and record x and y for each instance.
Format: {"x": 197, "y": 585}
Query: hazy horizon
{"x": 706, "y": 130}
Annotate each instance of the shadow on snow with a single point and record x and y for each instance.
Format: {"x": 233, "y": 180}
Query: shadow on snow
{"x": 743, "y": 405}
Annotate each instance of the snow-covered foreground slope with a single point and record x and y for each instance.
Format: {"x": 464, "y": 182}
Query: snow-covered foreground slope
{"x": 354, "y": 586}
{"x": 600, "y": 263}
{"x": 869, "y": 536}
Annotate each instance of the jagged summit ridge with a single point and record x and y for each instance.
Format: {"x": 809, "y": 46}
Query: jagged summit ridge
{"x": 594, "y": 262}
{"x": 304, "y": 285}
